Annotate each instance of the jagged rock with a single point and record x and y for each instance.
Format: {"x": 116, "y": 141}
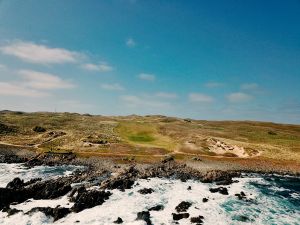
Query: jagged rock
{"x": 168, "y": 158}
{"x": 49, "y": 189}
{"x": 16, "y": 183}
{"x": 10, "y": 211}
{"x": 218, "y": 176}
{"x": 88, "y": 199}
{"x": 183, "y": 206}
{"x": 198, "y": 219}
{"x": 189, "y": 188}
{"x": 118, "y": 221}
{"x": 144, "y": 215}
{"x": 57, "y": 213}
{"x": 145, "y": 191}
{"x": 157, "y": 208}
{"x": 221, "y": 190}
{"x": 179, "y": 216}
{"x": 241, "y": 195}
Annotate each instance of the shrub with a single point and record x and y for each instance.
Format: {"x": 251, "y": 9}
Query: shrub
{"x": 39, "y": 129}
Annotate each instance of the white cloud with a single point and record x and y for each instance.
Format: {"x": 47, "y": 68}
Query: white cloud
{"x": 130, "y": 43}
{"x": 239, "y": 97}
{"x": 249, "y": 86}
{"x": 46, "y": 81}
{"x": 2, "y": 67}
{"x": 102, "y": 67}
{"x": 198, "y": 97}
{"x": 138, "y": 102}
{"x": 147, "y": 76}
{"x": 14, "y": 89}
{"x": 113, "y": 87}
{"x": 40, "y": 54}
{"x": 214, "y": 84}
{"x": 166, "y": 95}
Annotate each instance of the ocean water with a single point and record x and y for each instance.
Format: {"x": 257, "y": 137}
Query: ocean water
{"x": 269, "y": 200}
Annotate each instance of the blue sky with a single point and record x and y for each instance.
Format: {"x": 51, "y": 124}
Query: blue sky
{"x": 216, "y": 60}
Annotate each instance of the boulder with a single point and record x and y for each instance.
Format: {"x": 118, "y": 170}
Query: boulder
{"x": 183, "y": 206}
{"x": 179, "y": 216}
{"x": 57, "y": 213}
{"x": 118, "y": 221}
{"x": 198, "y": 219}
{"x": 157, "y": 208}
{"x": 144, "y": 215}
{"x": 145, "y": 191}
{"x": 221, "y": 190}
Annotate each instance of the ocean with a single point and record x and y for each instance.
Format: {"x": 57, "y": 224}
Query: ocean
{"x": 269, "y": 199}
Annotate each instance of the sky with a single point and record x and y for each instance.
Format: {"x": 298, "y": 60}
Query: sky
{"x": 211, "y": 60}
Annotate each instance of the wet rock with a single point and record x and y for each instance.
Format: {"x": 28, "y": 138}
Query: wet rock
{"x": 145, "y": 191}
{"x": 16, "y": 183}
{"x": 218, "y": 176}
{"x": 221, "y": 190}
{"x": 189, "y": 188}
{"x": 205, "y": 200}
{"x": 10, "y": 211}
{"x": 144, "y": 215}
{"x": 241, "y": 195}
{"x": 179, "y": 216}
{"x": 183, "y": 206}
{"x": 122, "y": 181}
{"x": 118, "y": 221}
{"x": 57, "y": 213}
{"x": 88, "y": 199}
{"x": 10, "y": 158}
{"x": 197, "y": 220}
{"x": 157, "y": 208}
{"x": 49, "y": 189}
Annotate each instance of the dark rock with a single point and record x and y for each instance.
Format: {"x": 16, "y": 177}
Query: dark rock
{"x": 157, "y": 208}
{"x": 205, "y": 200}
{"x": 179, "y": 216}
{"x": 57, "y": 213}
{"x": 189, "y": 188}
{"x": 10, "y": 211}
{"x": 241, "y": 196}
{"x": 11, "y": 158}
{"x": 145, "y": 191}
{"x": 144, "y": 215}
{"x": 49, "y": 189}
{"x": 88, "y": 199}
{"x": 198, "y": 219}
{"x": 221, "y": 190}
{"x": 16, "y": 183}
{"x": 7, "y": 129}
{"x": 183, "y": 206}
{"x": 219, "y": 175}
{"x": 118, "y": 221}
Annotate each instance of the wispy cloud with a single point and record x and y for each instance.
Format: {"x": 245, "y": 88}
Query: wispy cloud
{"x": 199, "y": 97}
{"x": 239, "y": 97}
{"x": 102, "y": 67}
{"x": 2, "y": 67}
{"x": 137, "y": 102}
{"x": 147, "y": 76}
{"x": 46, "y": 81}
{"x": 166, "y": 95}
{"x": 113, "y": 87}
{"x": 39, "y": 54}
{"x": 249, "y": 86}
{"x": 15, "y": 89}
{"x": 130, "y": 42}
{"x": 214, "y": 84}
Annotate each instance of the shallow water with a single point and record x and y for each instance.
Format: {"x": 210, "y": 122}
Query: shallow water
{"x": 270, "y": 200}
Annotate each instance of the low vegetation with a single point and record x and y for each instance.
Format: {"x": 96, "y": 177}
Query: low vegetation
{"x": 136, "y": 137}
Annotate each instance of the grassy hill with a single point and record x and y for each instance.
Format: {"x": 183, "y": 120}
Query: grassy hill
{"x": 150, "y": 137}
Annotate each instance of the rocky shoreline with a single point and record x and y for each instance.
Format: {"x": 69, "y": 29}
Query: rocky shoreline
{"x": 106, "y": 176}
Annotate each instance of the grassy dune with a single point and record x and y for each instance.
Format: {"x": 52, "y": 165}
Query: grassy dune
{"x": 148, "y": 137}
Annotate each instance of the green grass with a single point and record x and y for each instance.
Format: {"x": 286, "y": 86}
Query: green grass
{"x": 141, "y": 137}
